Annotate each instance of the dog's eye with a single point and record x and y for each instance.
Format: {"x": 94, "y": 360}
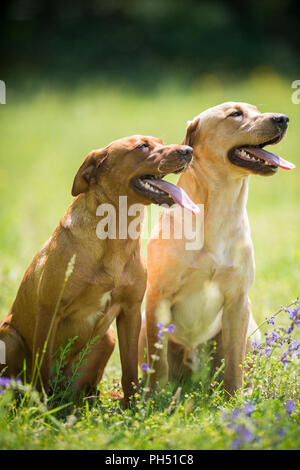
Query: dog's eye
{"x": 142, "y": 146}
{"x": 236, "y": 113}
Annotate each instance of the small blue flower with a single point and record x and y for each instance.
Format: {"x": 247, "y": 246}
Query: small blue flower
{"x": 247, "y": 435}
{"x": 171, "y": 328}
{"x": 293, "y": 313}
{"x": 243, "y": 435}
{"x": 145, "y": 366}
{"x": 268, "y": 351}
{"x": 236, "y": 412}
{"x": 284, "y": 359}
{"x": 249, "y": 408}
{"x": 294, "y": 348}
{"x": 4, "y": 382}
{"x": 271, "y": 320}
{"x": 236, "y": 444}
{"x": 160, "y": 325}
{"x": 290, "y": 406}
{"x": 282, "y": 432}
{"x": 273, "y": 337}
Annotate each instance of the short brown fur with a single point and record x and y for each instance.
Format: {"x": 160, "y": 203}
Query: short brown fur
{"x": 109, "y": 272}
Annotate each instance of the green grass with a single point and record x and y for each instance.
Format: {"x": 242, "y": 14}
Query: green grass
{"x": 44, "y": 137}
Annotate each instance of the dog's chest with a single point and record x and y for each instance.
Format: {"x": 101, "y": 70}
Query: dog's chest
{"x": 198, "y": 305}
{"x": 197, "y": 316}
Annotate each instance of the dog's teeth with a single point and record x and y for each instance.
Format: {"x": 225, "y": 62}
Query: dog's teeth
{"x": 151, "y": 188}
{"x": 245, "y": 154}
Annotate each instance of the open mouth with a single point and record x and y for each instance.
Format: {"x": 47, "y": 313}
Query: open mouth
{"x": 258, "y": 160}
{"x": 158, "y": 191}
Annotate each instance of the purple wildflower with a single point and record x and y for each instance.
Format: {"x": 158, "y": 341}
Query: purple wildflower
{"x": 236, "y": 444}
{"x": 160, "y": 325}
{"x": 293, "y": 351}
{"x": 293, "y": 313}
{"x": 268, "y": 351}
{"x": 256, "y": 348}
{"x": 145, "y": 366}
{"x": 290, "y": 329}
{"x": 271, "y": 320}
{"x": 249, "y": 408}
{"x": 284, "y": 359}
{"x": 273, "y": 337}
{"x": 243, "y": 434}
{"x": 246, "y": 434}
{"x": 294, "y": 317}
{"x": 4, "y": 382}
{"x": 282, "y": 432}
{"x": 290, "y": 406}
{"x": 236, "y": 412}
{"x": 294, "y": 348}
{"x": 171, "y": 328}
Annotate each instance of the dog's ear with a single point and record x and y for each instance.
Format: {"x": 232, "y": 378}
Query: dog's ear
{"x": 86, "y": 175}
{"x": 191, "y": 133}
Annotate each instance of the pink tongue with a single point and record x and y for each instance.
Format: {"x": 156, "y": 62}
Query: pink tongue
{"x": 270, "y": 157}
{"x": 178, "y": 194}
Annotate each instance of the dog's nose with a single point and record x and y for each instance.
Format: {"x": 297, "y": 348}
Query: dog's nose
{"x": 281, "y": 120}
{"x": 186, "y": 152}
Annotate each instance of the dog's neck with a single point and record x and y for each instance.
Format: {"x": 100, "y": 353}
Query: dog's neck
{"x": 205, "y": 183}
{"x": 86, "y": 212}
{"x": 224, "y": 197}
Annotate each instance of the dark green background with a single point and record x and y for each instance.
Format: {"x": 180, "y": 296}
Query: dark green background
{"x": 140, "y": 41}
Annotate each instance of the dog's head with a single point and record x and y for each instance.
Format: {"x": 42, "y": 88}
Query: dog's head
{"x": 233, "y": 136}
{"x": 134, "y": 167}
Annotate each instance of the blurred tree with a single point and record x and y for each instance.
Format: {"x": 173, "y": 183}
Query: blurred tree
{"x": 140, "y": 40}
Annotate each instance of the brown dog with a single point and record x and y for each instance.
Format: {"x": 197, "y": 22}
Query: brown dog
{"x": 205, "y": 292}
{"x": 109, "y": 277}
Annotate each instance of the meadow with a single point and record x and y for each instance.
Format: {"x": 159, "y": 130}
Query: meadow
{"x": 45, "y": 134}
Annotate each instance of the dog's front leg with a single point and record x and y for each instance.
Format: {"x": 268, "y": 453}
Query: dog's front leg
{"x": 44, "y": 334}
{"x": 234, "y": 329}
{"x": 129, "y": 325}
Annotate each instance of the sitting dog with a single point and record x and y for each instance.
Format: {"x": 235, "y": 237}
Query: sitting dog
{"x": 204, "y": 293}
{"x": 109, "y": 276}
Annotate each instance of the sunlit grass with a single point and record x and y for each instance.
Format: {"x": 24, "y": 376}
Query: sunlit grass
{"x": 44, "y": 137}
